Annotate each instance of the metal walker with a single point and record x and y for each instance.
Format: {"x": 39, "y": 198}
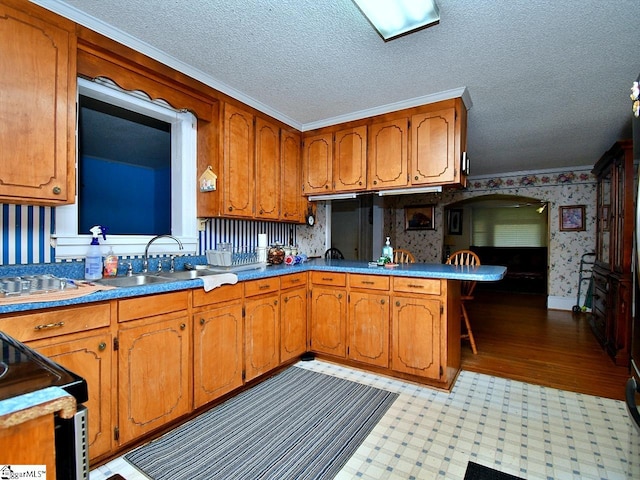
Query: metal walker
{"x": 586, "y": 268}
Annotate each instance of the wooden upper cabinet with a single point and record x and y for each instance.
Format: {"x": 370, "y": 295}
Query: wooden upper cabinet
{"x": 387, "y": 161}
{"x": 292, "y": 203}
{"x": 267, "y": 186}
{"x": 37, "y": 110}
{"x": 350, "y": 159}
{"x": 238, "y": 162}
{"x": 317, "y": 160}
{"x": 433, "y": 148}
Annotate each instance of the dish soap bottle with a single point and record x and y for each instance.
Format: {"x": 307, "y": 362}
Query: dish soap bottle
{"x": 111, "y": 264}
{"x": 93, "y": 262}
{"x": 387, "y": 250}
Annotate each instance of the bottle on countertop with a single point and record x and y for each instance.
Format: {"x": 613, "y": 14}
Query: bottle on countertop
{"x": 387, "y": 250}
{"x": 93, "y": 261}
{"x": 111, "y": 264}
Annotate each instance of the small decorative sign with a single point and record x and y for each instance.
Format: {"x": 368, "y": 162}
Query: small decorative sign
{"x": 208, "y": 180}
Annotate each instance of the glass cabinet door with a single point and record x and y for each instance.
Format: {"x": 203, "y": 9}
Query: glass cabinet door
{"x": 605, "y": 214}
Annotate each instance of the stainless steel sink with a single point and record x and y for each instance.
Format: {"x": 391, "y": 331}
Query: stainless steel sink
{"x": 187, "y": 274}
{"x": 134, "y": 281}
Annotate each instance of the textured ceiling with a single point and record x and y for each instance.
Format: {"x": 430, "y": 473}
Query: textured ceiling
{"x": 548, "y": 80}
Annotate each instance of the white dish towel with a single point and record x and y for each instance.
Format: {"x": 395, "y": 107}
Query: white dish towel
{"x": 213, "y": 281}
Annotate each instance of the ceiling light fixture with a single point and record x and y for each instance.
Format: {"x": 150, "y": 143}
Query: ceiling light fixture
{"x": 395, "y": 18}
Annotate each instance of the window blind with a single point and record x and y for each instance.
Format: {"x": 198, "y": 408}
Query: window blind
{"x": 509, "y": 227}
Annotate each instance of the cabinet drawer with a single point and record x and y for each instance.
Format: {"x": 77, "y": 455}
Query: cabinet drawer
{"x": 416, "y": 285}
{"x": 258, "y": 287}
{"x": 34, "y": 326}
{"x": 329, "y": 278}
{"x": 152, "y": 305}
{"x": 375, "y": 282}
{"x": 224, "y": 293}
{"x": 294, "y": 280}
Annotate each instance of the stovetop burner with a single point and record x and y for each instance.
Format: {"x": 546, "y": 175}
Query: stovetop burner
{"x": 23, "y": 370}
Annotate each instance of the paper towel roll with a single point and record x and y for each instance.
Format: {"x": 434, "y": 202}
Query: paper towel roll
{"x": 262, "y": 240}
{"x": 262, "y": 247}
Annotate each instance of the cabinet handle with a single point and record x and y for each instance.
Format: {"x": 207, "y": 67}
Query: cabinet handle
{"x": 375, "y": 182}
{"x": 367, "y": 282}
{"x": 382, "y": 301}
{"x": 327, "y": 279}
{"x": 183, "y": 326}
{"x": 326, "y": 186}
{"x": 295, "y": 280}
{"x": 415, "y": 178}
{"x": 286, "y": 299}
{"x": 359, "y": 183}
{"x": 339, "y": 296}
{"x": 102, "y": 346}
{"x": 57, "y": 190}
{"x": 202, "y": 321}
{"x": 262, "y": 287}
{"x": 398, "y": 303}
{"x": 285, "y": 215}
{"x": 230, "y": 209}
{"x": 261, "y": 212}
{"x": 275, "y": 302}
{"x": 413, "y": 285}
{"x": 49, "y": 325}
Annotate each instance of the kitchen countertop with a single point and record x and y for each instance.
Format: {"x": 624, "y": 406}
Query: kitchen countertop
{"x": 22, "y": 408}
{"x": 483, "y": 273}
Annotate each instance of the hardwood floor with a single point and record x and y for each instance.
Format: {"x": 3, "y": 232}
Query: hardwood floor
{"x": 519, "y": 339}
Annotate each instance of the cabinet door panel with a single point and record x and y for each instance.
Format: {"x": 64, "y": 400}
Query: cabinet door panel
{"x": 369, "y": 328}
{"x": 217, "y": 353}
{"x": 388, "y": 161}
{"x": 328, "y": 321}
{"x": 293, "y": 320}
{"x": 416, "y": 336}
{"x": 433, "y": 147}
{"x": 317, "y": 164}
{"x": 37, "y": 124}
{"x": 262, "y": 331}
{"x": 292, "y": 204}
{"x": 237, "y": 162}
{"x": 154, "y": 375}
{"x": 267, "y": 183}
{"x": 350, "y": 159}
{"x": 90, "y": 358}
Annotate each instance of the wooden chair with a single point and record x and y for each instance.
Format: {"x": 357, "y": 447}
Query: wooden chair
{"x": 466, "y": 257}
{"x": 403, "y": 256}
{"x": 333, "y": 253}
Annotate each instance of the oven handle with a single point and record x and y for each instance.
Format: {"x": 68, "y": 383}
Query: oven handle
{"x": 632, "y": 389}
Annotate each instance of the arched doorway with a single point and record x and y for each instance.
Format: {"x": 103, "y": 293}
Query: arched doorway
{"x": 507, "y": 230}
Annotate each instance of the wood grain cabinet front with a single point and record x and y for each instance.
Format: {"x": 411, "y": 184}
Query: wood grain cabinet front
{"x": 293, "y": 316}
{"x": 89, "y": 355}
{"x": 267, "y": 177}
{"x": 262, "y": 334}
{"x": 154, "y": 373}
{"x": 37, "y": 114}
{"x": 387, "y": 162}
{"x": 368, "y": 321}
{"x": 217, "y": 352}
{"x": 317, "y": 164}
{"x": 329, "y": 320}
{"x": 238, "y": 162}
{"x": 350, "y": 159}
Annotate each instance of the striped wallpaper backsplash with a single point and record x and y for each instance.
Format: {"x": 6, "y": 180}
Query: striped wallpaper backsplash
{"x": 25, "y": 234}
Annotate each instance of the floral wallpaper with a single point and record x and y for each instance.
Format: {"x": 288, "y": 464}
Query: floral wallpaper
{"x": 558, "y": 188}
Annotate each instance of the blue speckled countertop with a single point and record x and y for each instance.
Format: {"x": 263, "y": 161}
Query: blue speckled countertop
{"x": 46, "y": 401}
{"x": 484, "y": 273}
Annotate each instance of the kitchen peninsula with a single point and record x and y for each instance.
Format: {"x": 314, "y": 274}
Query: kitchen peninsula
{"x": 402, "y": 322}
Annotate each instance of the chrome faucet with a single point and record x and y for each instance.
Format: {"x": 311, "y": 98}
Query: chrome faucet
{"x": 145, "y": 261}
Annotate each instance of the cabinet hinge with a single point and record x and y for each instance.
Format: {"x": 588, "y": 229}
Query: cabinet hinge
{"x": 441, "y": 371}
{"x": 441, "y": 309}
{"x": 244, "y": 375}
{"x": 116, "y": 344}
{"x": 243, "y": 314}
{"x": 349, "y": 298}
{"x": 116, "y": 433}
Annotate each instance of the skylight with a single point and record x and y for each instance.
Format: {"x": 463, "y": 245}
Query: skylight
{"x": 395, "y": 18}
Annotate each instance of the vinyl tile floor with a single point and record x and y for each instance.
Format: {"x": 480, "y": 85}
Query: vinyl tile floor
{"x": 525, "y": 430}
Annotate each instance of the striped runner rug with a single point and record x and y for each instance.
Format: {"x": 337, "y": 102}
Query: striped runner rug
{"x": 296, "y": 425}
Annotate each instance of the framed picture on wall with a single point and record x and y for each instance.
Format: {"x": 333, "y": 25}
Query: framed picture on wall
{"x": 572, "y": 218}
{"x": 454, "y": 221}
{"x": 419, "y": 217}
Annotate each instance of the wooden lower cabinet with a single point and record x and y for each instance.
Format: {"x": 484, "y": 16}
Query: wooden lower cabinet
{"x": 416, "y": 336}
{"x": 329, "y": 320}
{"x": 89, "y": 356}
{"x": 154, "y": 373}
{"x": 369, "y": 328}
{"x": 261, "y": 335}
{"x": 293, "y": 323}
{"x": 217, "y": 352}
{"x": 31, "y": 442}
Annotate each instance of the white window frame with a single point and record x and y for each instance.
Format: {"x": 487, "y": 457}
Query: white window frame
{"x": 71, "y": 244}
